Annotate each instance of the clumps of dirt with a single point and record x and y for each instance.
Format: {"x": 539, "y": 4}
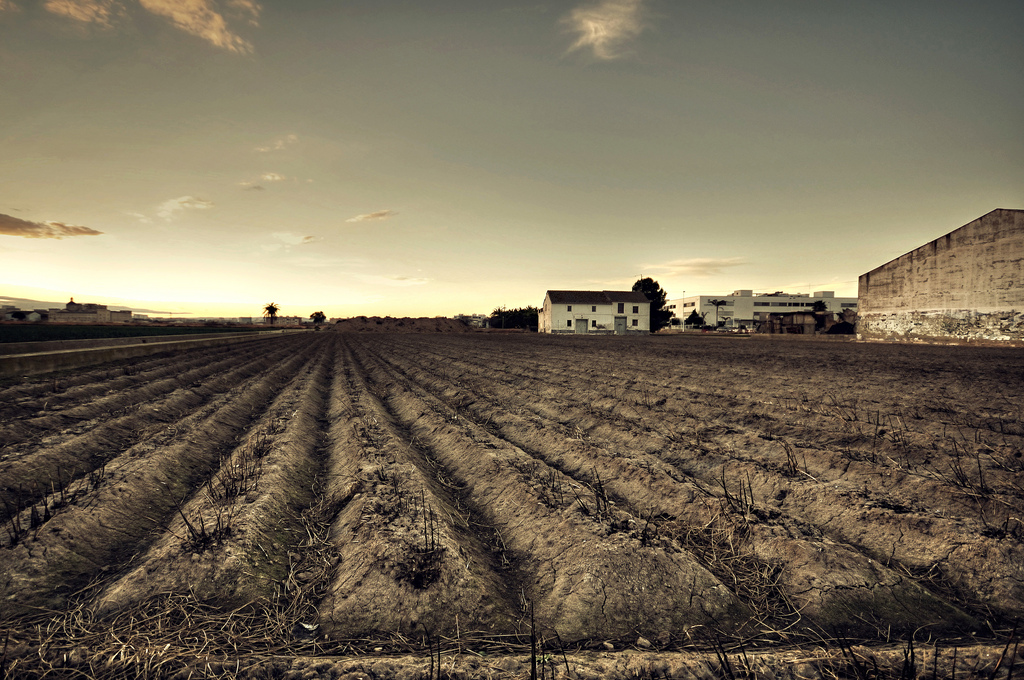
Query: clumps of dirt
{"x": 406, "y": 562}
{"x": 387, "y": 324}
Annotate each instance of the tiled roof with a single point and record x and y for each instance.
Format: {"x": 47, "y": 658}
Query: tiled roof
{"x": 595, "y": 297}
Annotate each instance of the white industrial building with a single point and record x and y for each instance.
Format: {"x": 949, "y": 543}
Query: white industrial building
{"x": 748, "y": 309}
{"x": 618, "y": 312}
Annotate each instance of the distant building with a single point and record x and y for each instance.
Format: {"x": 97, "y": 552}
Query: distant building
{"x": 75, "y": 312}
{"x": 287, "y": 321}
{"x": 603, "y": 312}
{"x": 474, "y": 320}
{"x": 967, "y": 285}
{"x": 747, "y": 309}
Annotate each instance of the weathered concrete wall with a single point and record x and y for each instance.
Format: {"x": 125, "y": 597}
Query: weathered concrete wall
{"x": 965, "y": 286}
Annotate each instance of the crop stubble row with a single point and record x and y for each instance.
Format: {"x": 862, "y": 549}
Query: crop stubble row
{"x": 403, "y": 483}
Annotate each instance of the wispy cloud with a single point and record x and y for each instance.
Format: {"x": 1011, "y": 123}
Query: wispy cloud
{"x": 293, "y": 239}
{"x": 7, "y": 5}
{"x": 168, "y": 209}
{"x": 14, "y": 226}
{"x": 87, "y": 11}
{"x": 406, "y": 281}
{"x": 395, "y": 281}
{"x": 201, "y": 18}
{"x": 279, "y": 144}
{"x": 254, "y": 185}
{"x": 697, "y": 266}
{"x": 144, "y": 219}
{"x": 604, "y": 27}
{"x": 370, "y": 217}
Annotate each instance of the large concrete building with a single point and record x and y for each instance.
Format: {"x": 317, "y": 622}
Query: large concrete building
{"x": 966, "y": 285}
{"x": 749, "y": 310}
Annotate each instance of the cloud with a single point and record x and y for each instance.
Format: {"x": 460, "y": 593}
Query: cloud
{"x": 14, "y": 226}
{"x": 266, "y": 177}
{"x": 279, "y": 144}
{"x": 697, "y": 266}
{"x": 605, "y": 26}
{"x": 201, "y": 18}
{"x": 369, "y": 217}
{"x": 144, "y": 219}
{"x": 168, "y": 209}
{"x": 396, "y": 281}
{"x": 249, "y": 7}
{"x": 87, "y": 11}
{"x": 293, "y": 239}
{"x": 406, "y": 281}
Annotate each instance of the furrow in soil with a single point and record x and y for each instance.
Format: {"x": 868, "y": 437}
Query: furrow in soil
{"x": 586, "y": 573}
{"x": 139, "y": 492}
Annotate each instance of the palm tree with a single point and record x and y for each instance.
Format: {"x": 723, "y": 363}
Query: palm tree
{"x": 318, "y": 318}
{"x": 717, "y": 304}
{"x": 270, "y": 312}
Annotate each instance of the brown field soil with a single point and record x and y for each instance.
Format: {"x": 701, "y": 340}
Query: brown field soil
{"x": 388, "y": 324}
{"x": 419, "y": 505}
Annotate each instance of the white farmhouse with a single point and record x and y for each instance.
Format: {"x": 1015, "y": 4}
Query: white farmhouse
{"x": 604, "y": 312}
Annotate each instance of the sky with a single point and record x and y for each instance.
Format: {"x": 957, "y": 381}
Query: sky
{"x": 439, "y": 157}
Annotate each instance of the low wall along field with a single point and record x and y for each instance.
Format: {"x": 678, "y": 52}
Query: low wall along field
{"x": 407, "y": 505}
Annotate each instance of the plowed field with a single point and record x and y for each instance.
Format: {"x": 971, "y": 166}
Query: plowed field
{"x": 318, "y": 504}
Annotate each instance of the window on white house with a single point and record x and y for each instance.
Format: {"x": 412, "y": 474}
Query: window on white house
{"x": 622, "y": 307}
{"x": 568, "y": 308}
{"x": 568, "y": 323}
{"x": 636, "y": 322}
{"x": 636, "y": 309}
{"x": 593, "y": 323}
{"x": 593, "y": 308}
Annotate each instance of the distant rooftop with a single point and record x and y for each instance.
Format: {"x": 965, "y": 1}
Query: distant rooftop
{"x": 595, "y": 297}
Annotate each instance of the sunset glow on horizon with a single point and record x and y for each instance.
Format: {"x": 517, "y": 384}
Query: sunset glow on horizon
{"x": 424, "y": 159}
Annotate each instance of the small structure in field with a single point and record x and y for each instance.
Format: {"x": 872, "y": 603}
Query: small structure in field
{"x": 809, "y": 323}
{"x": 595, "y": 312}
{"x": 966, "y": 285}
{"x": 799, "y": 323}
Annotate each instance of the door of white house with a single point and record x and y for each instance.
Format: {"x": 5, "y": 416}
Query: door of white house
{"x": 620, "y": 325}
{"x": 581, "y": 325}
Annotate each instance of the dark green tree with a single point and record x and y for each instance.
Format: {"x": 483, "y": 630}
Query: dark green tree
{"x": 694, "y": 319}
{"x": 657, "y": 297}
{"x": 520, "y": 317}
{"x": 318, "y": 318}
